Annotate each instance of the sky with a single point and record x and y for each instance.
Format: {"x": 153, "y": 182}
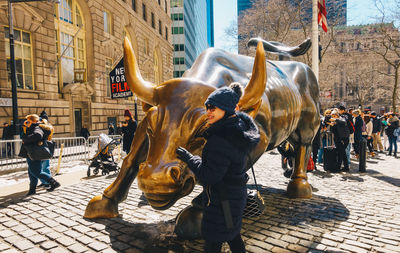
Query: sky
{"x": 225, "y": 11}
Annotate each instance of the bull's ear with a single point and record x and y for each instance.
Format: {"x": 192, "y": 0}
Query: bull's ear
{"x": 146, "y": 107}
{"x": 251, "y": 99}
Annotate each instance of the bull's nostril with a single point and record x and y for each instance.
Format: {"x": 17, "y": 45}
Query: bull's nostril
{"x": 175, "y": 173}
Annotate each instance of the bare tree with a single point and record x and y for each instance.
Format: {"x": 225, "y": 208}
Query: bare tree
{"x": 286, "y": 21}
{"x": 389, "y": 46}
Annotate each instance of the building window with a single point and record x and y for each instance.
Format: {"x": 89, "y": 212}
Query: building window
{"x": 23, "y": 58}
{"x": 178, "y": 73}
{"x": 134, "y": 5}
{"x": 71, "y": 49}
{"x": 176, "y": 3}
{"x": 177, "y": 16}
{"x": 179, "y": 60}
{"x": 144, "y": 12}
{"x": 108, "y": 68}
{"x": 159, "y": 27}
{"x": 107, "y": 18}
{"x": 146, "y": 46}
{"x": 166, "y": 6}
{"x": 159, "y": 2}
{"x": 177, "y": 30}
{"x": 179, "y": 47}
{"x": 152, "y": 21}
{"x": 166, "y": 33}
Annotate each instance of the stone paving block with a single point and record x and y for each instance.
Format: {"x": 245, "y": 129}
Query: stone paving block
{"x": 300, "y": 235}
{"x": 28, "y": 233}
{"x": 60, "y": 228}
{"x": 85, "y": 240}
{"x": 36, "y": 239}
{"x": 386, "y": 241}
{"x": 44, "y": 230}
{"x": 254, "y": 249}
{"x": 383, "y": 250}
{"x": 35, "y": 225}
{"x": 34, "y": 250}
{"x": 297, "y": 248}
{"x": 11, "y": 251}
{"x": 65, "y": 241}
{"x": 72, "y": 234}
{"x": 59, "y": 250}
{"x": 10, "y": 223}
{"x": 351, "y": 248}
{"x": 280, "y": 250}
{"x": 23, "y": 244}
{"x": 6, "y": 233}
{"x": 48, "y": 245}
{"x": 77, "y": 248}
{"x": 98, "y": 246}
{"x": 120, "y": 246}
{"x": 13, "y": 239}
{"x": 54, "y": 235}
{"x": 329, "y": 243}
{"x": 82, "y": 229}
{"x": 20, "y": 228}
{"x": 4, "y": 246}
{"x": 340, "y": 234}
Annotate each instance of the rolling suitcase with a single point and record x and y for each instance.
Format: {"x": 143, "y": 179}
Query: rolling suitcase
{"x": 330, "y": 153}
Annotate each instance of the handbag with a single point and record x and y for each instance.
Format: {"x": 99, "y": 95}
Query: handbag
{"x": 255, "y": 205}
{"x": 44, "y": 150}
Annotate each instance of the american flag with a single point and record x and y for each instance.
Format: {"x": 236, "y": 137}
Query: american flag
{"x": 322, "y": 15}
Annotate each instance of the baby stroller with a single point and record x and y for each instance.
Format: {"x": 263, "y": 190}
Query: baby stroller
{"x": 104, "y": 159}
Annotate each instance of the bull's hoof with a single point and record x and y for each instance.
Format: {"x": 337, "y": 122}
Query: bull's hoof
{"x": 188, "y": 223}
{"x": 299, "y": 188}
{"x": 101, "y": 207}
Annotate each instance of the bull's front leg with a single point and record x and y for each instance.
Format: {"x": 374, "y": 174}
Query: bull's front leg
{"x": 298, "y": 186}
{"x": 106, "y": 205}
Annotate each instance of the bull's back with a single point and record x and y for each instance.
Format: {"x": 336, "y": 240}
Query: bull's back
{"x": 287, "y": 91}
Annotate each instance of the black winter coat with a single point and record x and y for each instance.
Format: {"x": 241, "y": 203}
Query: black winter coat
{"x": 33, "y": 135}
{"x": 128, "y": 133}
{"x": 222, "y": 172}
{"x": 340, "y": 129}
{"x": 359, "y": 122}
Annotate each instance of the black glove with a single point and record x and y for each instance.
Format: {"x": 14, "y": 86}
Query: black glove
{"x": 183, "y": 154}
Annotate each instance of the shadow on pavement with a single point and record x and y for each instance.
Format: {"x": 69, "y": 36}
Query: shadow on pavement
{"x": 387, "y": 179}
{"x": 281, "y": 213}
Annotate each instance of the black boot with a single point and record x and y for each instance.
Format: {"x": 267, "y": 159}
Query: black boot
{"x": 32, "y": 190}
{"x": 53, "y": 185}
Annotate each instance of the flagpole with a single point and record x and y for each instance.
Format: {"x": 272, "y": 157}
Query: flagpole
{"x": 314, "y": 39}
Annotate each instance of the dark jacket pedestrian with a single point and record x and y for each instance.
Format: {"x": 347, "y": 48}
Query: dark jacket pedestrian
{"x": 341, "y": 135}
{"x": 8, "y": 133}
{"x": 84, "y": 133}
{"x": 221, "y": 169}
{"x": 128, "y": 131}
{"x": 33, "y": 135}
{"x": 111, "y": 130}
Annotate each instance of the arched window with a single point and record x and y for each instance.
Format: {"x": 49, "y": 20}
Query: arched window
{"x": 157, "y": 67}
{"x": 71, "y": 49}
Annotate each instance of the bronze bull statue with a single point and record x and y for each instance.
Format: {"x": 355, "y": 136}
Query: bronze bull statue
{"x": 282, "y": 97}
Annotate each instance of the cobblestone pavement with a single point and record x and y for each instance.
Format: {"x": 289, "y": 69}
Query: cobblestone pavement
{"x": 349, "y": 212}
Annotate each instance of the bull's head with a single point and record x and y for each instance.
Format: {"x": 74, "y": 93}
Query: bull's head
{"x": 175, "y": 116}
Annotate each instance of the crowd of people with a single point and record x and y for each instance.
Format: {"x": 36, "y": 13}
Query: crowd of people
{"x": 349, "y": 128}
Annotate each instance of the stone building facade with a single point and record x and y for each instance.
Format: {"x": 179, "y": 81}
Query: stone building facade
{"x": 352, "y": 73}
{"x": 65, "y": 51}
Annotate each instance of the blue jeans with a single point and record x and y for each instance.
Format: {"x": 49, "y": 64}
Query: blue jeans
{"x": 392, "y": 141}
{"x": 321, "y": 151}
{"x": 348, "y": 152}
{"x": 35, "y": 172}
{"x": 45, "y": 169}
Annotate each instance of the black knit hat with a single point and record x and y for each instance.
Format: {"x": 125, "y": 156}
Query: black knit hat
{"x": 43, "y": 115}
{"x": 226, "y": 98}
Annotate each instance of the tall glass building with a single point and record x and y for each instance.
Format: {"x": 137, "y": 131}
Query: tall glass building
{"x": 192, "y": 31}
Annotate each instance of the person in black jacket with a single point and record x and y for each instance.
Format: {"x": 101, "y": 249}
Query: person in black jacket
{"x": 84, "y": 132}
{"x": 393, "y": 124}
{"x": 341, "y": 139}
{"x": 221, "y": 169}
{"x": 8, "y": 134}
{"x": 128, "y": 131}
{"x": 33, "y": 135}
{"x": 358, "y": 129}
{"x": 376, "y": 132}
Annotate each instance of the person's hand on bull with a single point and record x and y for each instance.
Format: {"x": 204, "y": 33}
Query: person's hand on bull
{"x": 183, "y": 154}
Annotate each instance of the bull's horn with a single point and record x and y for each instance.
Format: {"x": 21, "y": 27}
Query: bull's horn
{"x": 144, "y": 90}
{"x": 256, "y": 86}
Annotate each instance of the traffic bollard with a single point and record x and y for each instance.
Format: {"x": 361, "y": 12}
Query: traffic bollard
{"x": 363, "y": 155}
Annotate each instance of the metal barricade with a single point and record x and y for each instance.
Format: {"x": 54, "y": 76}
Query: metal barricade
{"x": 74, "y": 148}
{"x": 9, "y": 159}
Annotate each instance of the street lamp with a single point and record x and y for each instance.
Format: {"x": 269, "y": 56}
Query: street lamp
{"x": 12, "y": 62}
